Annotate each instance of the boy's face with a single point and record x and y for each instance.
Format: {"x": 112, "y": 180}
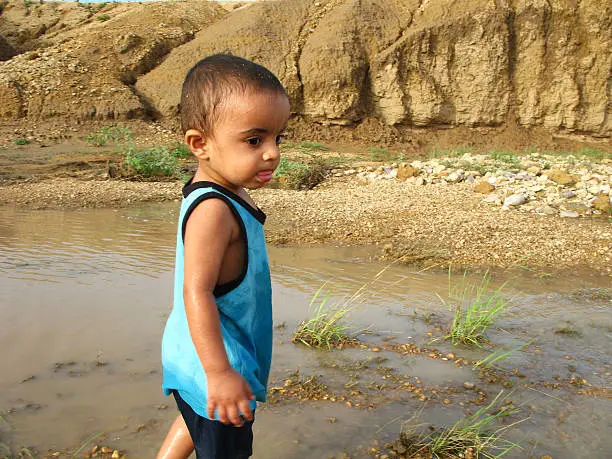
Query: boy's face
{"x": 243, "y": 148}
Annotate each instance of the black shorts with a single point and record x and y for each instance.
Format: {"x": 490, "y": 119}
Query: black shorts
{"x": 213, "y": 439}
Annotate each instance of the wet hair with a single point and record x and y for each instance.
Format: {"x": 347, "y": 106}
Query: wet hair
{"x": 212, "y": 81}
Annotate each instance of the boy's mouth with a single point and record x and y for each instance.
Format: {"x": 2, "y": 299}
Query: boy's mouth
{"x": 265, "y": 176}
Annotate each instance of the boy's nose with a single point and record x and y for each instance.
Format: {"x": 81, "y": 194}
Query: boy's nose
{"x": 272, "y": 153}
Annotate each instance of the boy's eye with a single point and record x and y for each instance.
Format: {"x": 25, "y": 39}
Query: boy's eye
{"x": 254, "y": 141}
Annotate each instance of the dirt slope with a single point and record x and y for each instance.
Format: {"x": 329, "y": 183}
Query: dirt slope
{"x": 86, "y": 59}
{"x": 422, "y": 62}
{"x": 380, "y": 67}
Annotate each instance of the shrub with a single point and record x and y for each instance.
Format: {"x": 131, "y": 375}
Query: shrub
{"x": 152, "y": 162}
{"x": 298, "y": 175}
{"x": 103, "y": 17}
{"x": 21, "y": 141}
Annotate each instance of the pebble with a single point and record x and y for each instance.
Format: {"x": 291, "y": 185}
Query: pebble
{"x": 468, "y": 385}
{"x": 515, "y": 200}
{"x": 542, "y": 187}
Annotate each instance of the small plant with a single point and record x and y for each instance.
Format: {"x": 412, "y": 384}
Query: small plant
{"x": 109, "y": 133}
{"x": 471, "y": 437}
{"x": 152, "y": 162}
{"x": 505, "y": 157}
{"x": 499, "y": 355}
{"x": 326, "y": 328}
{"x": 476, "y": 307}
{"x": 21, "y": 141}
{"x": 298, "y": 175}
{"x": 103, "y": 17}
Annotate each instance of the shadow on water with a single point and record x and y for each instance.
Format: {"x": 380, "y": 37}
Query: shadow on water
{"x": 84, "y": 296}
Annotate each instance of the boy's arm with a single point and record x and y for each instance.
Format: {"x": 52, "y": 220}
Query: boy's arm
{"x": 210, "y": 229}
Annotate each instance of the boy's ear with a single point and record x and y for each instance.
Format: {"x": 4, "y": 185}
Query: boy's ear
{"x": 198, "y": 143}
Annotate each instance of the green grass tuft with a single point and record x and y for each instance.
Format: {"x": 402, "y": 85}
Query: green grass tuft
{"x": 21, "y": 141}
{"x": 103, "y": 17}
{"x": 471, "y": 437}
{"x": 326, "y": 328}
{"x": 475, "y": 306}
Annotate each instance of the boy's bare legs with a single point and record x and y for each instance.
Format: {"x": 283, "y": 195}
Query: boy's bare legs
{"x": 178, "y": 444}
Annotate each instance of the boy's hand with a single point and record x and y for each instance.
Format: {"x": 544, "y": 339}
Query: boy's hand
{"x": 230, "y": 395}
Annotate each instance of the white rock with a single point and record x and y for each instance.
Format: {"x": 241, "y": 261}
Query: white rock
{"x": 594, "y": 189}
{"x": 605, "y": 189}
{"x": 453, "y": 177}
{"x": 515, "y": 200}
{"x": 568, "y": 214}
{"x": 419, "y": 181}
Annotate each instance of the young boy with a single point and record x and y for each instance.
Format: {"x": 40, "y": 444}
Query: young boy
{"x": 217, "y": 344}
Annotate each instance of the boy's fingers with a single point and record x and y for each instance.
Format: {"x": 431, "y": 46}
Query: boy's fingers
{"x": 232, "y": 414}
{"x": 222, "y": 414}
{"x": 210, "y": 409}
{"x": 245, "y": 409}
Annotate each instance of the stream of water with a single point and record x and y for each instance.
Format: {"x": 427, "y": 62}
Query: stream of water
{"x": 84, "y": 296}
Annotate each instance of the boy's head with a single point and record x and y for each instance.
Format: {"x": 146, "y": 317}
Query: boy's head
{"x": 215, "y": 80}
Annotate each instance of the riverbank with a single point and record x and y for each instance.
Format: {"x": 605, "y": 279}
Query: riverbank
{"x": 434, "y": 217}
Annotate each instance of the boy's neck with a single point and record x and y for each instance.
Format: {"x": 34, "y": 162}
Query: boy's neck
{"x": 202, "y": 176}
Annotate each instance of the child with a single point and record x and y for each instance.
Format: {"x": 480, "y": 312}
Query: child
{"x": 217, "y": 344}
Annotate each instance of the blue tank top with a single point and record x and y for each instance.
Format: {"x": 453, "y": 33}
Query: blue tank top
{"x": 244, "y": 305}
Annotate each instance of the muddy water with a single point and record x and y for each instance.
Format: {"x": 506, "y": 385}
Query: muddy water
{"x": 84, "y": 296}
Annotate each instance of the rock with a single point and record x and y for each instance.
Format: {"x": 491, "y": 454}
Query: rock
{"x": 546, "y": 210}
{"x": 491, "y": 198}
{"x": 576, "y": 206}
{"x": 484, "y": 187}
{"x": 562, "y": 177}
{"x": 602, "y": 203}
{"x": 567, "y": 194}
{"x": 594, "y": 189}
{"x": 515, "y": 200}
{"x": 535, "y": 170}
{"x": 453, "y": 177}
{"x": 407, "y": 171}
{"x": 568, "y": 214}
{"x": 468, "y": 385}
